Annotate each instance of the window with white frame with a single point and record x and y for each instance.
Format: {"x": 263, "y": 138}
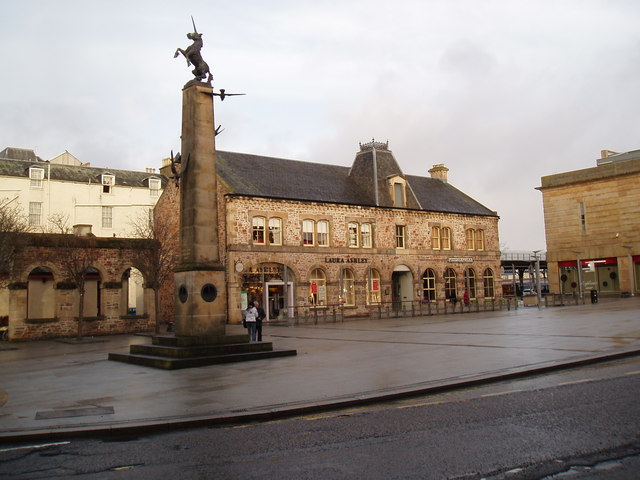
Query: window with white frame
{"x": 446, "y": 238}
{"x": 108, "y": 181}
{"x": 318, "y": 287}
{"x": 36, "y": 175}
{"x": 353, "y": 234}
{"x": 480, "y": 240}
{"x": 471, "y": 239}
{"x": 429, "y": 285}
{"x": 35, "y": 214}
{"x": 400, "y": 236}
{"x": 450, "y": 283}
{"x": 275, "y": 231}
{"x": 470, "y": 282}
{"x": 257, "y": 230}
{"x": 323, "y": 233}
{"x": 487, "y": 278}
{"x": 107, "y": 217}
{"x": 154, "y": 187}
{"x": 348, "y": 287}
{"x": 373, "y": 287}
{"x": 365, "y": 235}
{"x": 308, "y": 232}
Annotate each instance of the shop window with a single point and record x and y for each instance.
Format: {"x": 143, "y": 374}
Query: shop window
{"x": 429, "y": 285}
{"x": 450, "y": 283}
{"x": 446, "y": 238}
{"x": 35, "y": 214}
{"x": 471, "y": 239}
{"x": 308, "y": 232}
{"x": 373, "y": 287}
{"x": 470, "y": 282}
{"x": 107, "y": 217}
{"x": 154, "y": 187}
{"x": 400, "y": 236}
{"x": 275, "y": 231}
{"x": 353, "y": 234}
{"x": 436, "y": 244}
{"x": 480, "y": 240}
{"x": 365, "y": 235}
{"x": 348, "y": 287}
{"x": 108, "y": 181}
{"x": 318, "y": 288}
{"x": 323, "y": 233}
{"x": 488, "y": 282}
{"x": 36, "y": 175}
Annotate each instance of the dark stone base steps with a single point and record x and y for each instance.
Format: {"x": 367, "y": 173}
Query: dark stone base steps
{"x": 169, "y": 352}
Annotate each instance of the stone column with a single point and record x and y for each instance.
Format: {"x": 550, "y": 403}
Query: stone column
{"x": 201, "y": 306}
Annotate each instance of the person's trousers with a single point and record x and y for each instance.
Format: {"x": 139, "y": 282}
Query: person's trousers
{"x": 251, "y": 326}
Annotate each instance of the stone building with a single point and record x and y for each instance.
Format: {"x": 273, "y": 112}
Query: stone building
{"x": 56, "y": 194}
{"x": 38, "y": 299}
{"x": 592, "y": 219}
{"x": 297, "y": 235}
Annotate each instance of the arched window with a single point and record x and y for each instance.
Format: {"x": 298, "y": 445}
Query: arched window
{"x": 480, "y": 240}
{"x": 308, "y": 228}
{"x": 435, "y": 238}
{"x": 318, "y": 287}
{"x": 348, "y": 287}
{"x": 373, "y": 287}
{"x": 275, "y": 231}
{"x": 365, "y": 232}
{"x": 471, "y": 239}
{"x": 92, "y": 300}
{"x": 450, "y": 283}
{"x": 323, "y": 233}
{"x": 446, "y": 238}
{"x": 487, "y": 277}
{"x": 132, "y": 293}
{"x": 429, "y": 285}
{"x": 40, "y": 294}
{"x": 470, "y": 282}
{"x": 257, "y": 229}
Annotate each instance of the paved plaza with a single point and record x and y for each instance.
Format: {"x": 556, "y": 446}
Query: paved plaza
{"x": 58, "y": 388}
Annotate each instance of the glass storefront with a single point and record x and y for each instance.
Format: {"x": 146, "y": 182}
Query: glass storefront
{"x": 596, "y": 274}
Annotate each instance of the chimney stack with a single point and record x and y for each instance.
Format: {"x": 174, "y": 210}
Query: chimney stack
{"x": 439, "y": 171}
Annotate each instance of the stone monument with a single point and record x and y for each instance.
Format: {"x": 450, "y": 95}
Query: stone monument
{"x": 200, "y": 278}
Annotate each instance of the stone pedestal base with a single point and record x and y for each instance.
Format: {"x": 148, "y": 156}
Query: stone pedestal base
{"x": 201, "y": 303}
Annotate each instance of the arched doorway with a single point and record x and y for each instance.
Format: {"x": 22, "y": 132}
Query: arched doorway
{"x": 402, "y": 286}
{"x": 273, "y": 285}
{"x": 132, "y": 292}
{"x": 40, "y": 294}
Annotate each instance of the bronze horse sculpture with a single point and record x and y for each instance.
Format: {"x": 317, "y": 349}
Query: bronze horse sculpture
{"x": 193, "y": 56}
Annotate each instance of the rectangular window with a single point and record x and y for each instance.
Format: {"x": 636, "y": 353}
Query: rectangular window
{"x": 583, "y": 218}
{"x": 107, "y": 217}
{"x": 400, "y": 236}
{"x": 307, "y": 232}
{"x": 353, "y": 234}
{"x": 36, "y": 175}
{"x": 323, "y": 233}
{"x": 446, "y": 238}
{"x": 365, "y": 233}
{"x": 257, "y": 229}
{"x": 35, "y": 214}
{"x": 480, "y": 240}
{"x": 108, "y": 181}
{"x": 471, "y": 239}
{"x": 275, "y": 231}
{"x": 154, "y": 187}
{"x": 435, "y": 238}
{"x": 398, "y": 195}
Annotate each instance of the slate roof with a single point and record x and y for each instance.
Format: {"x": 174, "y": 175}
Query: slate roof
{"x": 255, "y": 175}
{"x": 70, "y": 173}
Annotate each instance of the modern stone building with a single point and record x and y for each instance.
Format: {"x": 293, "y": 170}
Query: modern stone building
{"x": 298, "y": 235}
{"x": 592, "y": 219}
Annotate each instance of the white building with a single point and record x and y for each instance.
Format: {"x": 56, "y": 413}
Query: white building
{"x": 62, "y": 192}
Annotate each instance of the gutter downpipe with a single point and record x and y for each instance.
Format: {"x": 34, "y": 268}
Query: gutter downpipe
{"x": 375, "y": 176}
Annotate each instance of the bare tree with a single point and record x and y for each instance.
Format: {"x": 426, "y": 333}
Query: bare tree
{"x": 158, "y": 263}
{"x": 12, "y": 220}
{"x": 80, "y": 254}
{"x": 58, "y": 223}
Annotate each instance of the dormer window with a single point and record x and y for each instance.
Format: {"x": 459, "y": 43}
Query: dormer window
{"x": 397, "y": 190}
{"x": 154, "y": 187}
{"x": 108, "y": 181}
{"x": 36, "y": 175}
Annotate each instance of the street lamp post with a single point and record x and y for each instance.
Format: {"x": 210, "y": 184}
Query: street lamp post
{"x": 631, "y": 282}
{"x": 537, "y": 257}
{"x": 579, "y": 263}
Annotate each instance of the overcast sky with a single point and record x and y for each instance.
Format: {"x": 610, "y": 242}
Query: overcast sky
{"x": 502, "y": 92}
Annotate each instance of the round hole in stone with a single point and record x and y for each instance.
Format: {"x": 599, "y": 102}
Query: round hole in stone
{"x": 209, "y": 292}
{"x": 183, "y": 294}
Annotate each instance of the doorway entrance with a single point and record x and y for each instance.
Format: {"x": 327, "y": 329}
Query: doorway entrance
{"x": 274, "y": 300}
{"x": 402, "y": 286}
